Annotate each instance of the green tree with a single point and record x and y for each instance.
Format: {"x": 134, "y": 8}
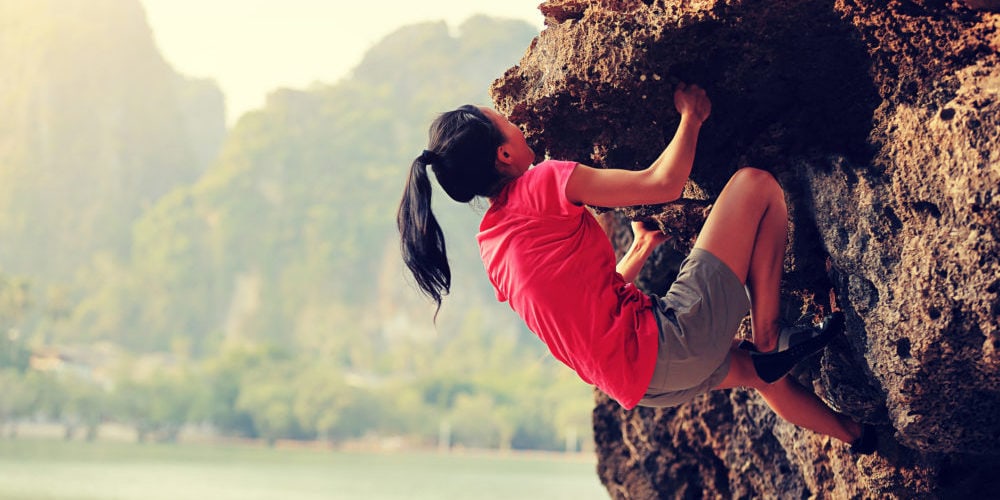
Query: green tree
{"x": 85, "y": 404}
{"x": 15, "y": 300}
{"x": 221, "y": 383}
{"x": 157, "y": 406}
{"x": 320, "y": 397}
{"x": 475, "y": 422}
{"x": 17, "y": 400}
{"x": 13, "y": 353}
{"x": 269, "y": 402}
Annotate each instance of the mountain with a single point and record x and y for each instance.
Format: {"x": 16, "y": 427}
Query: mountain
{"x": 262, "y": 261}
{"x": 97, "y": 127}
{"x": 291, "y": 233}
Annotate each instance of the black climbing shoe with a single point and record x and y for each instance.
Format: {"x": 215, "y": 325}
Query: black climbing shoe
{"x": 867, "y": 442}
{"x": 794, "y": 345}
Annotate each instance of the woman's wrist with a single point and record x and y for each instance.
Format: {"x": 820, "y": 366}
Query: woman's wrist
{"x": 690, "y": 119}
{"x": 643, "y": 245}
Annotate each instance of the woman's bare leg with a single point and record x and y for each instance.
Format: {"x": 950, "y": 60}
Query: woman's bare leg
{"x": 791, "y": 401}
{"x": 747, "y": 230}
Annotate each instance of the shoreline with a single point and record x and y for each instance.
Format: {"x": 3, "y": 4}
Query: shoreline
{"x": 125, "y": 435}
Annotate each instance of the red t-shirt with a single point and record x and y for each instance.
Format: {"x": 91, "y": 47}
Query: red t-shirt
{"x": 554, "y": 264}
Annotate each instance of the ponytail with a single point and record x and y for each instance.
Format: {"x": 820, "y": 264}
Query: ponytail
{"x": 462, "y": 151}
{"x": 421, "y": 236}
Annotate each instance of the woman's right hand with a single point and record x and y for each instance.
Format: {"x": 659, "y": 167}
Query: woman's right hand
{"x": 691, "y": 102}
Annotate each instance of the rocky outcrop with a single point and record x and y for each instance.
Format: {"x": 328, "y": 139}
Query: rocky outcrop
{"x": 880, "y": 120}
{"x": 96, "y": 126}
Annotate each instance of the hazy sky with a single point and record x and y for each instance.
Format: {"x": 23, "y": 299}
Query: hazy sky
{"x": 251, "y": 47}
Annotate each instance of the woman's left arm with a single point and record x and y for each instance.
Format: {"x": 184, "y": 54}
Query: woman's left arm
{"x": 644, "y": 241}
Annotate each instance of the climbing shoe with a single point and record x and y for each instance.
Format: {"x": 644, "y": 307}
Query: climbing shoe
{"x": 795, "y": 344}
{"x": 867, "y": 442}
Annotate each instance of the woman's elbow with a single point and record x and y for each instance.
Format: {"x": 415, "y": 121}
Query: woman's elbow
{"x": 670, "y": 190}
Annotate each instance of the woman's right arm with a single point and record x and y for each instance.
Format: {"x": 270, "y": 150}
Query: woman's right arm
{"x": 661, "y": 182}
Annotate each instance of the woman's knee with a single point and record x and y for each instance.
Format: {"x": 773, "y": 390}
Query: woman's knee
{"x": 755, "y": 178}
{"x": 760, "y": 183}
{"x": 741, "y": 372}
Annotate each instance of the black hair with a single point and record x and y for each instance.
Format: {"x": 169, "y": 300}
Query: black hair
{"x": 461, "y": 150}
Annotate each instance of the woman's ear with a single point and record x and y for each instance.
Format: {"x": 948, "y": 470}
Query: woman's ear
{"x": 503, "y": 161}
{"x": 504, "y": 165}
{"x": 502, "y": 155}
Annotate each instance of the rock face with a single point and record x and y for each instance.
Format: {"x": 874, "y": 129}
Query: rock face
{"x": 880, "y": 120}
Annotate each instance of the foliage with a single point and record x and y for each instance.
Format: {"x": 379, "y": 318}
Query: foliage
{"x": 157, "y": 406}
{"x": 260, "y": 295}
{"x": 15, "y": 301}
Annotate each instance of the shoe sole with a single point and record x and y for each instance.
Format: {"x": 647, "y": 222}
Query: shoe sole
{"x": 771, "y": 366}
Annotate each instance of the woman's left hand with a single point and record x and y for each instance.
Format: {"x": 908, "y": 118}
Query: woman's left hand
{"x": 640, "y": 231}
{"x": 644, "y": 241}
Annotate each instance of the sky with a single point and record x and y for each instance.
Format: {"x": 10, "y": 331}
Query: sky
{"x": 251, "y": 47}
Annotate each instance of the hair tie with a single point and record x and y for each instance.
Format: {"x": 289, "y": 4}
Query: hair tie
{"x": 429, "y": 157}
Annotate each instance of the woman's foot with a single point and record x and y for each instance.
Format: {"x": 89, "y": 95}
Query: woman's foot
{"x": 795, "y": 344}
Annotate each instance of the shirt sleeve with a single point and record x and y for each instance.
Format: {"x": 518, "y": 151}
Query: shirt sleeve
{"x": 544, "y": 189}
{"x": 563, "y": 170}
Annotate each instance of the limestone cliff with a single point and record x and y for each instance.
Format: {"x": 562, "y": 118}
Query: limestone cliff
{"x": 95, "y": 126}
{"x": 880, "y": 119}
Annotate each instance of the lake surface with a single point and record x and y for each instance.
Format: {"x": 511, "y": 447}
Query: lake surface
{"x": 57, "y": 470}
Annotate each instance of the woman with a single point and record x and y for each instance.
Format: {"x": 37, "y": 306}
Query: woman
{"x": 546, "y": 255}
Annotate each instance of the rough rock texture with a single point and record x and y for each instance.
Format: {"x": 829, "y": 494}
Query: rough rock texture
{"x": 880, "y": 120}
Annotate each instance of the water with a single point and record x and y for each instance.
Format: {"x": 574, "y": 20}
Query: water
{"x": 58, "y": 470}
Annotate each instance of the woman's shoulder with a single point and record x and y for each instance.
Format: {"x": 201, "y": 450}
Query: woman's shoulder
{"x": 557, "y": 170}
{"x": 554, "y": 164}
{"x": 542, "y": 188}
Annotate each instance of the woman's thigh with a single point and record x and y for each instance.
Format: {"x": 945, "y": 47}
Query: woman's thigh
{"x": 731, "y": 228}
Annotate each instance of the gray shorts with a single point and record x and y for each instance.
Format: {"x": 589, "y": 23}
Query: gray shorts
{"x": 698, "y": 319}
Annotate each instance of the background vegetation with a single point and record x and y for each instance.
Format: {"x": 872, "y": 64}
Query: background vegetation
{"x": 163, "y": 272}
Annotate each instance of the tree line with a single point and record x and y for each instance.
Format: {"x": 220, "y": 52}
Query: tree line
{"x": 499, "y": 390}
{"x": 270, "y": 393}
